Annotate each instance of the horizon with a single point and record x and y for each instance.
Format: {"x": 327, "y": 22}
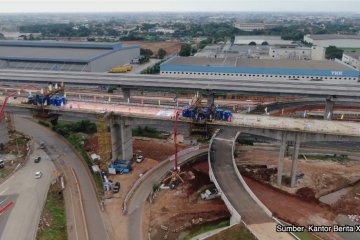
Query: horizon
{"x": 178, "y": 6}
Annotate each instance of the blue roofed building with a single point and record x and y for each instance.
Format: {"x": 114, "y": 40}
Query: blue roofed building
{"x": 65, "y": 56}
{"x": 258, "y": 69}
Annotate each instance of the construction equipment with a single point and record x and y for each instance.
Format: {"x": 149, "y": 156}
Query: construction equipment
{"x": 2, "y": 110}
{"x": 175, "y": 174}
{"x": 121, "y": 69}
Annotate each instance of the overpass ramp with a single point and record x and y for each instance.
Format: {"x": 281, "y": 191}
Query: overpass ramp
{"x": 236, "y": 194}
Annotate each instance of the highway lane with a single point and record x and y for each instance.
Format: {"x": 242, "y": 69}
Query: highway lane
{"x": 221, "y": 160}
{"x": 57, "y": 148}
{"x": 272, "y": 87}
{"x": 28, "y": 195}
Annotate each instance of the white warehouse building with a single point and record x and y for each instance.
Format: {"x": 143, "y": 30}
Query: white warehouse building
{"x": 353, "y": 59}
{"x": 338, "y": 40}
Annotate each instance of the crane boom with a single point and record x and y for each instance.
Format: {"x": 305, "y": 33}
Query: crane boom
{"x": 11, "y": 95}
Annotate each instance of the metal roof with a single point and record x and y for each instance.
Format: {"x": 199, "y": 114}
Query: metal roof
{"x": 46, "y": 51}
{"x": 333, "y": 36}
{"x": 50, "y": 54}
{"x": 257, "y": 63}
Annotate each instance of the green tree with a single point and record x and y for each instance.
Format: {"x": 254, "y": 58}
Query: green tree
{"x": 146, "y": 52}
{"x": 332, "y": 52}
{"x": 161, "y": 53}
{"x": 252, "y": 43}
{"x": 185, "y": 50}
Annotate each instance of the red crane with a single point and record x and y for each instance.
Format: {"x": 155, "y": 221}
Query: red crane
{"x": 177, "y": 113}
{"x": 11, "y": 95}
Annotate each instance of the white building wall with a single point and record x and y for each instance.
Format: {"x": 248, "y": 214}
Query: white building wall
{"x": 119, "y": 58}
{"x": 351, "y": 61}
{"x": 290, "y": 53}
{"x": 317, "y": 53}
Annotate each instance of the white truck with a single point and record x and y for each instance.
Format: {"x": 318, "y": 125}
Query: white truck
{"x": 210, "y": 194}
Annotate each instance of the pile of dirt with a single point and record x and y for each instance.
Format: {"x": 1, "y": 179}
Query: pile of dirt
{"x": 258, "y": 172}
{"x": 181, "y": 209}
{"x": 306, "y": 193}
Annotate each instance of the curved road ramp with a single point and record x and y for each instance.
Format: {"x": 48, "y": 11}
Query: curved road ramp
{"x": 239, "y": 199}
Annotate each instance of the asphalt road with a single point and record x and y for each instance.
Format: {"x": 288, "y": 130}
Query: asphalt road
{"x": 221, "y": 159}
{"x": 57, "y": 148}
{"x": 28, "y": 196}
{"x": 136, "y": 203}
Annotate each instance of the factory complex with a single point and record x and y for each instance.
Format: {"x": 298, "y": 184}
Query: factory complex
{"x": 65, "y": 56}
{"x": 245, "y": 68}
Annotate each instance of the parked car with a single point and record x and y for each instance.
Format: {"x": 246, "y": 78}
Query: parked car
{"x": 38, "y": 174}
{"x": 37, "y": 159}
{"x": 2, "y": 164}
{"x": 116, "y": 187}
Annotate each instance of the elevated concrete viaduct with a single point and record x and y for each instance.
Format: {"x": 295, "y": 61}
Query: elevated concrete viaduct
{"x": 286, "y": 130}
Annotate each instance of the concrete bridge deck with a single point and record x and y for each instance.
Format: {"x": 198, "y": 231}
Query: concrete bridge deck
{"x": 221, "y": 160}
{"x": 311, "y": 126}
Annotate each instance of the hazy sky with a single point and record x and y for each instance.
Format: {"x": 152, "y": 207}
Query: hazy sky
{"x": 10, "y": 6}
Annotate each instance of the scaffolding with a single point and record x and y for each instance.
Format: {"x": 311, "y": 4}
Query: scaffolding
{"x": 103, "y": 142}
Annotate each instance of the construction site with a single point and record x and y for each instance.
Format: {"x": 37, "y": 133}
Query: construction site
{"x": 184, "y": 200}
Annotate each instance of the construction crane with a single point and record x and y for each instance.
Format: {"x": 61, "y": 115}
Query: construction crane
{"x": 13, "y": 94}
{"x": 175, "y": 174}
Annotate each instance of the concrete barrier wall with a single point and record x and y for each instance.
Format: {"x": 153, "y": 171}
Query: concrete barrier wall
{"x": 235, "y": 216}
{"x": 248, "y": 190}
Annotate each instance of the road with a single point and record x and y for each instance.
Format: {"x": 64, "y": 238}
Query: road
{"x": 57, "y": 148}
{"x": 147, "y": 82}
{"x": 221, "y": 159}
{"x": 28, "y": 195}
{"x": 136, "y": 203}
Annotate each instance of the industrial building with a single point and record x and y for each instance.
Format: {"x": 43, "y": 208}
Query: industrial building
{"x": 259, "y": 40}
{"x": 65, "y": 56}
{"x": 353, "y": 59}
{"x": 292, "y": 52}
{"x": 258, "y": 69}
{"x": 297, "y": 53}
{"x": 338, "y": 40}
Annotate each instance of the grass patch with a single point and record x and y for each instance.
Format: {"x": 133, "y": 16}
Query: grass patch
{"x": 327, "y": 157}
{"x": 149, "y": 132}
{"x": 236, "y": 232}
{"x": 77, "y": 143}
{"x": 207, "y": 228}
{"x": 53, "y": 220}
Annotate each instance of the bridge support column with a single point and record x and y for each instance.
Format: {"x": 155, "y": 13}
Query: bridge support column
{"x": 329, "y": 109}
{"x": 4, "y": 136}
{"x": 280, "y": 168}
{"x": 121, "y": 139}
{"x": 126, "y": 93}
{"x": 211, "y": 99}
{"x": 294, "y": 159}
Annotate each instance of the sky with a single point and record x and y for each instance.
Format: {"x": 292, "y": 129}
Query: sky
{"x": 22, "y": 6}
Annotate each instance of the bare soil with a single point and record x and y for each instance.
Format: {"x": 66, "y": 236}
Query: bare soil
{"x": 181, "y": 209}
{"x": 171, "y": 47}
{"x": 300, "y": 205}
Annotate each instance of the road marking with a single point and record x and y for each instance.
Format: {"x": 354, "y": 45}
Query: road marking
{"x": 1, "y": 193}
{"x": 2, "y": 210}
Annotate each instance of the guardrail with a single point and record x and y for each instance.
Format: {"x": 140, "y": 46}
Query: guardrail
{"x": 235, "y": 216}
{"x": 248, "y": 190}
